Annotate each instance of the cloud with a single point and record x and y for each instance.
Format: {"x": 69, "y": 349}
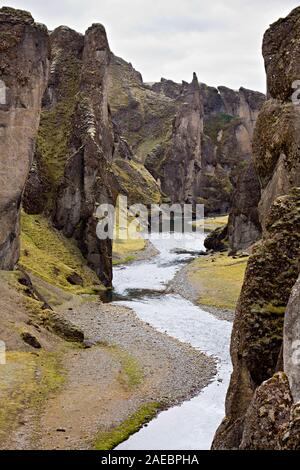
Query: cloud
{"x": 219, "y": 39}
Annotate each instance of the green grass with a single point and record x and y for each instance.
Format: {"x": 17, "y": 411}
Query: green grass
{"x": 46, "y": 253}
{"x": 215, "y": 124}
{"x": 110, "y": 439}
{"x": 131, "y": 374}
{"x": 136, "y": 182}
{"x": 25, "y": 382}
{"x": 218, "y": 280}
{"x": 212, "y": 223}
{"x": 56, "y": 126}
{"x": 126, "y": 260}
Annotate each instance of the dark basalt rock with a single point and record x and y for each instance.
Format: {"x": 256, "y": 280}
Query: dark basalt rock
{"x": 281, "y": 50}
{"x": 258, "y": 327}
{"x": 244, "y": 227}
{"x": 270, "y": 296}
{"x": 217, "y": 240}
{"x": 146, "y": 116}
{"x": 28, "y": 338}
{"x": 24, "y": 54}
{"x": 75, "y": 279}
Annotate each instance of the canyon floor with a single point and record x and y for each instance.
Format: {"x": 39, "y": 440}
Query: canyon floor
{"x": 74, "y": 396}
{"x": 58, "y": 394}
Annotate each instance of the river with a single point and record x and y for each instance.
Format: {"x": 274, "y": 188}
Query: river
{"x": 141, "y": 286}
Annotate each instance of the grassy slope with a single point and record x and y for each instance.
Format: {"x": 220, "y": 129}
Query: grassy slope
{"x": 218, "y": 279}
{"x": 110, "y": 439}
{"x": 47, "y": 254}
{"x": 25, "y": 382}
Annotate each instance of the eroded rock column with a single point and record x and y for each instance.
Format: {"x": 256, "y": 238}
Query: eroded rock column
{"x": 23, "y": 74}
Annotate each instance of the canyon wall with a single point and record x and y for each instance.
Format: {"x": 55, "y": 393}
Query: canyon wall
{"x": 262, "y": 409}
{"x": 72, "y": 173}
{"x": 87, "y": 180}
{"x": 81, "y": 159}
{"x": 182, "y": 160}
{"x": 24, "y": 55}
{"x": 103, "y": 132}
{"x": 148, "y": 117}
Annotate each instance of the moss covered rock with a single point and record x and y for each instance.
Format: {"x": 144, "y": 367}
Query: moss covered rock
{"x": 257, "y": 335}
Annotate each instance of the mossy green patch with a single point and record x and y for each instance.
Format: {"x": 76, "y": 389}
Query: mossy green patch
{"x": 217, "y": 123}
{"x": 128, "y": 240}
{"x": 126, "y": 260}
{"x": 110, "y": 439}
{"x": 56, "y": 125}
{"x": 211, "y": 223}
{"x": 131, "y": 375}
{"x": 218, "y": 280}
{"x": 25, "y": 382}
{"x": 144, "y": 117}
{"x": 46, "y": 253}
{"x": 136, "y": 182}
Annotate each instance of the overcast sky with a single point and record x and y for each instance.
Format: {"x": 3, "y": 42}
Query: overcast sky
{"x": 218, "y": 39}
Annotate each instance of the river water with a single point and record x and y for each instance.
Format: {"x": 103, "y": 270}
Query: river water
{"x": 141, "y": 286}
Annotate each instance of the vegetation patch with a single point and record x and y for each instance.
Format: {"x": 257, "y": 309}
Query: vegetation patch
{"x": 215, "y": 124}
{"x": 46, "y": 253}
{"x": 218, "y": 279}
{"x": 56, "y": 125}
{"x": 211, "y": 223}
{"x": 131, "y": 374}
{"x": 128, "y": 240}
{"x": 26, "y": 381}
{"x": 136, "y": 182}
{"x": 110, "y": 439}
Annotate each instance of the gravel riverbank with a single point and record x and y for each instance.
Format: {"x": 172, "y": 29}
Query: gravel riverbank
{"x": 181, "y": 285}
{"x": 172, "y": 371}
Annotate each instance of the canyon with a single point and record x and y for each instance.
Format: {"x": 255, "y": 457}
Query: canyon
{"x": 79, "y": 127}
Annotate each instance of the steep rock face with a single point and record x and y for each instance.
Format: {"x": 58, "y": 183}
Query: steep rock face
{"x": 258, "y": 328}
{"x": 23, "y": 69}
{"x": 229, "y": 117}
{"x": 291, "y": 344}
{"x": 82, "y": 159}
{"x": 59, "y": 105}
{"x": 88, "y": 180}
{"x": 268, "y": 415}
{"x": 244, "y": 227}
{"x": 281, "y": 50}
{"x": 276, "y": 151}
{"x": 276, "y": 136}
{"x": 183, "y": 157}
{"x": 272, "y": 421}
{"x": 291, "y": 439}
{"x": 273, "y": 269}
{"x": 145, "y": 115}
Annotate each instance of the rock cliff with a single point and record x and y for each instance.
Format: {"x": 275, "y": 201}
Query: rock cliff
{"x": 82, "y": 160}
{"x": 87, "y": 179}
{"x": 229, "y": 119}
{"x": 148, "y": 115}
{"x": 72, "y": 172}
{"x": 182, "y": 161}
{"x": 261, "y": 408}
{"x": 23, "y": 76}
